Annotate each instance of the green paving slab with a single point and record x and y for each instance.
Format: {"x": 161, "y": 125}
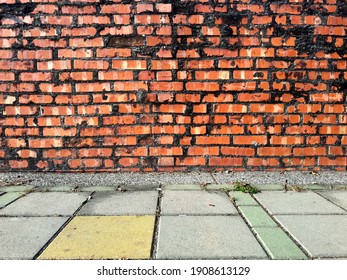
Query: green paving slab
{"x": 241, "y": 198}
{"x": 9, "y": 197}
{"x": 21, "y": 188}
{"x": 97, "y": 188}
{"x": 278, "y": 245}
{"x": 181, "y": 187}
{"x": 268, "y": 187}
{"x": 257, "y": 217}
{"x": 225, "y": 187}
{"x": 103, "y": 237}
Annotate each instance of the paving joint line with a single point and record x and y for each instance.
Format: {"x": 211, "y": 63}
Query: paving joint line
{"x": 296, "y": 242}
{"x": 156, "y": 225}
{"x": 44, "y": 247}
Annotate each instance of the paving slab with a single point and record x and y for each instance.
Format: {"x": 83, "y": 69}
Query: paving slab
{"x": 278, "y": 245}
{"x": 339, "y": 187}
{"x": 20, "y": 188}
{"x": 222, "y": 187}
{"x": 196, "y": 203}
{"x": 121, "y": 203}
{"x": 7, "y": 198}
{"x": 98, "y": 188}
{"x": 22, "y": 237}
{"x": 181, "y": 187}
{"x": 297, "y": 203}
{"x": 56, "y": 188}
{"x": 257, "y": 217}
{"x": 206, "y": 237}
{"x": 315, "y": 187}
{"x": 100, "y": 237}
{"x": 338, "y": 197}
{"x": 268, "y": 187}
{"x": 141, "y": 187}
{"x": 45, "y": 204}
{"x": 323, "y": 236}
{"x": 241, "y": 198}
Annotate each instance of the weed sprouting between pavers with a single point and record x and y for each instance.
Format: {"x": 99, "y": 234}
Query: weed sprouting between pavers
{"x": 245, "y": 187}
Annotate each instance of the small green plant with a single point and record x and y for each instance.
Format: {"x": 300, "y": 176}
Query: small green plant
{"x": 244, "y": 187}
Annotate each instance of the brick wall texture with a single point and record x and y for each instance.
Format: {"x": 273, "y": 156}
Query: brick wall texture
{"x": 159, "y": 85}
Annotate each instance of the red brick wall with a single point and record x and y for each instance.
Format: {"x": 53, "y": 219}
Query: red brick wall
{"x": 173, "y": 85}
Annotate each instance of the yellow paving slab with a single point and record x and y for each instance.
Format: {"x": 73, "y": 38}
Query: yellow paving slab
{"x": 103, "y": 237}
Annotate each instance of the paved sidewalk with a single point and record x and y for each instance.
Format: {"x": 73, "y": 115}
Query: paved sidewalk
{"x": 172, "y": 220}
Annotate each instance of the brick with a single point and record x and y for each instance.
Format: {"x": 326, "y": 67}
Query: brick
{"x": 219, "y": 161}
{"x": 116, "y": 9}
{"x": 250, "y": 140}
{"x": 203, "y": 86}
{"x": 56, "y": 20}
{"x": 36, "y": 76}
{"x": 92, "y": 87}
{"x": 212, "y": 140}
{"x": 93, "y": 19}
{"x": 81, "y": 42}
{"x": 54, "y": 64}
{"x": 164, "y": 64}
{"x": 113, "y": 52}
{"x": 70, "y": 9}
{"x": 129, "y": 64}
{"x": 164, "y": 86}
{"x": 199, "y": 64}
{"x": 38, "y": 54}
{"x": 45, "y": 143}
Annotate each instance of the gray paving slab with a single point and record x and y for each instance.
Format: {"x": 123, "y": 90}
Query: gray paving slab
{"x": 20, "y": 188}
{"x": 23, "y": 237}
{"x": 323, "y": 236}
{"x": 121, "y": 203}
{"x": 55, "y": 188}
{"x": 141, "y": 187}
{"x": 196, "y": 203}
{"x": 206, "y": 237}
{"x": 315, "y": 187}
{"x": 338, "y": 197}
{"x": 339, "y": 187}
{"x": 297, "y": 203}
{"x": 7, "y": 198}
{"x": 45, "y": 204}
